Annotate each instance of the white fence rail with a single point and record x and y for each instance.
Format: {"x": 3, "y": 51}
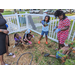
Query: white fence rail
{"x": 20, "y": 22}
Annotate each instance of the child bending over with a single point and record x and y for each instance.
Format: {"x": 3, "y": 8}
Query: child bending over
{"x": 18, "y": 39}
{"x": 27, "y": 36}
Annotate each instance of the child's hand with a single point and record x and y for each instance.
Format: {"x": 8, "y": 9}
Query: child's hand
{"x": 44, "y": 25}
{"x": 29, "y": 42}
{"x": 33, "y": 36}
{"x": 24, "y": 39}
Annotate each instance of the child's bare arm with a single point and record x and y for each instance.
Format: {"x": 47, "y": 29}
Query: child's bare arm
{"x": 68, "y": 52}
{"x": 26, "y": 38}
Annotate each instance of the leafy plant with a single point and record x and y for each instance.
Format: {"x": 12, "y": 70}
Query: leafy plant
{"x": 70, "y": 62}
{"x": 16, "y": 52}
{"x": 36, "y": 58}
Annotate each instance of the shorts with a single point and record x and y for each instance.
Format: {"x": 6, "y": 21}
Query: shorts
{"x": 46, "y": 33}
{"x": 57, "y": 56}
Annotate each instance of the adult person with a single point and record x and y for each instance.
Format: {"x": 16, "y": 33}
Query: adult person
{"x": 62, "y": 29}
{"x": 3, "y": 34}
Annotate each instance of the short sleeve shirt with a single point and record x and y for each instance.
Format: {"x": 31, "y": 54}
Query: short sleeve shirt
{"x": 45, "y": 28}
{"x": 17, "y": 39}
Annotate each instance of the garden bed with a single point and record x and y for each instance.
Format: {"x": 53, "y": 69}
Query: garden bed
{"x": 36, "y": 49}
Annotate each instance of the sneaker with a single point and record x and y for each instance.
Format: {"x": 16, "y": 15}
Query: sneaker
{"x": 46, "y": 55}
{"x": 46, "y": 42}
{"x": 38, "y": 42}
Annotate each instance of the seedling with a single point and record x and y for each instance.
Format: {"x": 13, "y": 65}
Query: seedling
{"x": 16, "y": 52}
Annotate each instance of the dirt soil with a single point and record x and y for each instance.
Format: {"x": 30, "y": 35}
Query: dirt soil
{"x": 37, "y": 50}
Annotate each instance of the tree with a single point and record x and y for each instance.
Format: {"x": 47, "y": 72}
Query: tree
{"x": 15, "y": 10}
{"x": 41, "y": 11}
{"x": 70, "y": 11}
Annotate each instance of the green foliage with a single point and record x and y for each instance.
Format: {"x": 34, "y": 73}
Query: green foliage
{"x": 68, "y": 41}
{"x": 7, "y": 13}
{"x": 36, "y": 58}
{"x": 15, "y": 51}
{"x": 70, "y": 62}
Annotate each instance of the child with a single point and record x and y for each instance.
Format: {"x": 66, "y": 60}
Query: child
{"x": 64, "y": 52}
{"x": 62, "y": 29}
{"x": 45, "y": 28}
{"x": 18, "y": 39}
{"x": 61, "y": 53}
{"x": 27, "y": 36}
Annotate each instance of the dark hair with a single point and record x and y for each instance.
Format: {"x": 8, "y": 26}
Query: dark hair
{"x": 59, "y": 13}
{"x": 15, "y": 35}
{"x": 48, "y": 18}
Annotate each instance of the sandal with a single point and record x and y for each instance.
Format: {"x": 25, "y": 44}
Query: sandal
{"x": 10, "y": 54}
{"x": 46, "y": 55}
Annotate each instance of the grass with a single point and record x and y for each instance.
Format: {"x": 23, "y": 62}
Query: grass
{"x": 21, "y": 12}
{"x": 7, "y": 13}
{"x": 10, "y": 12}
{"x": 70, "y": 14}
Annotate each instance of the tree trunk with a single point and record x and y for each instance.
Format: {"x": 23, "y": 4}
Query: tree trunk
{"x": 41, "y": 11}
{"x": 15, "y": 10}
{"x": 70, "y": 11}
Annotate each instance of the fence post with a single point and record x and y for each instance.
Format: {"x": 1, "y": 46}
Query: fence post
{"x": 71, "y": 30}
{"x": 27, "y": 20}
{"x": 44, "y": 14}
{"x": 17, "y": 21}
{"x": 73, "y": 36}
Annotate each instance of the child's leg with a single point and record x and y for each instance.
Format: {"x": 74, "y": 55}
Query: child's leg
{"x": 53, "y": 56}
{"x": 41, "y": 37}
{"x": 16, "y": 43}
{"x": 22, "y": 41}
{"x": 46, "y": 34}
{"x": 42, "y": 33}
{"x": 29, "y": 37}
{"x": 25, "y": 38}
{"x": 46, "y": 39}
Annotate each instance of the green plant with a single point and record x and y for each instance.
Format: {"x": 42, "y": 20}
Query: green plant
{"x": 70, "y": 62}
{"x": 15, "y": 51}
{"x": 36, "y": 58}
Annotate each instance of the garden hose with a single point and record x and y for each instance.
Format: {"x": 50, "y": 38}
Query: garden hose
{"x": 24, "y": 54}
